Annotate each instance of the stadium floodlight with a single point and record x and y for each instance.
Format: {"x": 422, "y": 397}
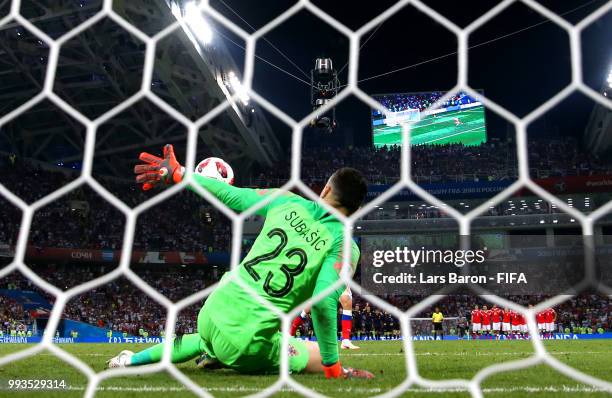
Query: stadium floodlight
{"x": 238, "y": 88}
{"x": 609, "y": 80}
{"x": 195, "y": 26}
{"x": 198, "y": 25}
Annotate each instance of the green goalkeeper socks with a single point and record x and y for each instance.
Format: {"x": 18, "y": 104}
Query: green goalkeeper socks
{"x": 184, "y": 348}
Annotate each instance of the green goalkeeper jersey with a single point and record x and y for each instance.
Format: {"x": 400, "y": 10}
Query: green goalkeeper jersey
{"x": 297, "y": 254}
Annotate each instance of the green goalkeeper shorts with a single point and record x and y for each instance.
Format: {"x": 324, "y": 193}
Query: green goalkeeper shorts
{"x": 264, "y": 357}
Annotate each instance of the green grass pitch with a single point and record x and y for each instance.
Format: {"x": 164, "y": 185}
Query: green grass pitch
{"x": 439, "y": 130}
{"x": 436, "y": 360}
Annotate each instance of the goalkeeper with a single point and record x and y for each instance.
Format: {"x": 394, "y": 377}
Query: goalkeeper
{"x": 297, "y": 255}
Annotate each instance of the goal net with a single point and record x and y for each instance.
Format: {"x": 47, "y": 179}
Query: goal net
{"x": 420, "y": 326}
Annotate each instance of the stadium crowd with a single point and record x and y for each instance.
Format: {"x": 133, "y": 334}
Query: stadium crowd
{"x": 10, "y": 219}
{"x": 121, "y": 306}
{"x": 13, "y": 317}
{"x": 494, "y": 160}
{"x": 421, "y": 101}
{"x": 89, "y": 222}
{"x": 118, "y": 305}
{"x": 188, "y": 225}
{"x": 86, "y": 222}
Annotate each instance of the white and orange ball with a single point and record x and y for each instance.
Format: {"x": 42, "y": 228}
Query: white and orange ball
{"x": 216, "y": 168}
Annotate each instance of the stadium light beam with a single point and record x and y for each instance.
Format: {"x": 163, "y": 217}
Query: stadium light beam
{"x": 238, "y": 88}
{"x": 197, "y": 27}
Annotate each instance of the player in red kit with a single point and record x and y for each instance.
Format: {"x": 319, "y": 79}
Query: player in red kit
{"x": 496, "y": 316}
{"x": 550, "y": 316}
{"x": 515, "y": 320}
{"x": 506, "y": 322}
{"x": 476, "y": 319}
{"x": 523, "y": 325}
{"x": 541, "y": 321}
{"x": 486, "y": 321}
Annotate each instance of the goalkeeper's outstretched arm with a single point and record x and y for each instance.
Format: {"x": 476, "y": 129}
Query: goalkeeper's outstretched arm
{"x": 324, "y": 313}
{"x": 168, "y": 170}
{"x": 235, "y": 198}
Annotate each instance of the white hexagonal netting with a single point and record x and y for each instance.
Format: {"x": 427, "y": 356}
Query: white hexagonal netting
{"x": 413, "y": 380}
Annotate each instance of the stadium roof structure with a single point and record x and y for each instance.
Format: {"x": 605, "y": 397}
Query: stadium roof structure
{"x": 102, "y": 67}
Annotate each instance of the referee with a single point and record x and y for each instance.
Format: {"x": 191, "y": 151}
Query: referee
{"x": 436, "y": 319}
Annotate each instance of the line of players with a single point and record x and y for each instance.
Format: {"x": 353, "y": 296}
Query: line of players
{"x": 495, "y": 322}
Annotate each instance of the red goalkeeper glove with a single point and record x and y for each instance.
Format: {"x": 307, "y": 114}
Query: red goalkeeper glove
{"x": 336, "y": 371}
{"x": 167, "y": 170}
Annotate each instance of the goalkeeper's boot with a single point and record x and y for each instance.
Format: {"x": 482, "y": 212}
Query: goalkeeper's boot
{"x": 120, "y": 361}
{"x": 207, "y": 362}
{"x": 348, "y": 345}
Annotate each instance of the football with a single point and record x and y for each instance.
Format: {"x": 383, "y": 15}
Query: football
{"x": 216, "y": 168}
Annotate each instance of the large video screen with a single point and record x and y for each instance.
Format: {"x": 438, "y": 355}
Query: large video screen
{"x": 461, "y": 119}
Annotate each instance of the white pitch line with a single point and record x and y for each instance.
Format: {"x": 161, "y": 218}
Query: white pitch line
{"x": 452, "y": 135}
{"x": 443, "y": 119}
{"x": 392, "y": 130}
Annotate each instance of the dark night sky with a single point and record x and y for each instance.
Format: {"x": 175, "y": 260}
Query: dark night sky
{"x": 519, "y": 72}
